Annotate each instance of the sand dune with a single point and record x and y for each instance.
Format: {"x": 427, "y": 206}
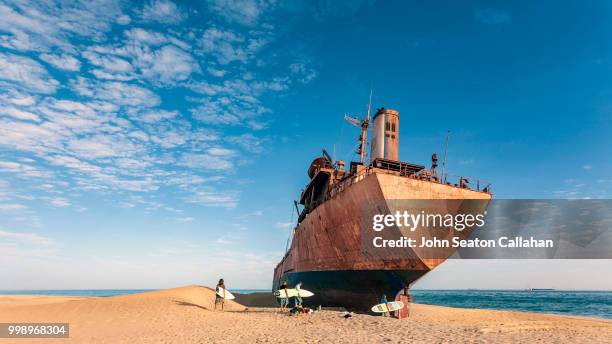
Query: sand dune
{"x": 184, "y": 315}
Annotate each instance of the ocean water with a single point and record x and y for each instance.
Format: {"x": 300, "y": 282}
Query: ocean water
{"x": 582, "y": 303}
{"x": 250, "y": 291}
{"x": 104, "y": 292}
{"x": 76, "y": 292}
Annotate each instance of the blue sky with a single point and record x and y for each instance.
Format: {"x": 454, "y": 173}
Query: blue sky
{"x": 157, "y": 143}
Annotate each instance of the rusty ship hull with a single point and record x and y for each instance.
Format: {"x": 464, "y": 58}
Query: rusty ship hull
{"x": 326, "y": 253}
{"x": 330, "y": 253}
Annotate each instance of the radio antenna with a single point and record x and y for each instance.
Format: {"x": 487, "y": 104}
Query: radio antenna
{"x": 444, "y": 160}
{"x": 369, "y": 106}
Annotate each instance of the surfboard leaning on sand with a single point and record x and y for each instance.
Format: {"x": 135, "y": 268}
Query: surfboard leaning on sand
{"x": 388, "y": 307}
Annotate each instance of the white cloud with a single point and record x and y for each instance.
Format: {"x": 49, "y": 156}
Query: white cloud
{"x": 105, "y": 132}
{"x": 111, "y": 67}
{"x": 63, "y": 62}
{"x": 132, "y": 164}
{"x": 26, "y": 136}
{"x": 145, "y": 37}
{"x": 74, "y": 163}
{"x": 216, "y": 72}
{"x": 245, "y": 12}
{"x": 18, "y": 40}
{"x": 104, "y": 75}
{"x": 303, "y": 73}
{"x": 41, "y": 26}
{"x": 206, "y": 161}
{"x": 284, "y": 225}
{"x": 234, "y": 102}
{"x": 161, "y": 59}
{"x": 23, "y": 170}
{"x": 119, "y": 93}
{"x": 99, "y": 150}
{"x": 229, "y": 238}
{"x": 247, "y": 142}
{"x": 124, "y": 20}
{"x": 184, "y": 219}
{"x": 254, "y": 213}
{"x": 101, "y": 178}
{"x": 229, "y": 111}
{"x": 169, "y": 138}
{"x": 140, "y": 185}
{"x": 101, "y": 146}
{"x": 18, "y": 98}
{"x": 152, "y": 116}
{"x": 25, "y": 237}
{"x": 225, "y": 45}
{"x": 162, "y": 11}
{"x": 226, "y": 199}
{"x": 8, "y": 207}
{"x": 228, "y": 46}
{"x": 19, "y": 114}
{"x": 587, "y": 167}
{"x": 9, "y": 165}
{"x": 57, "y": 201}
{"x": 169, "y": 65}
{"x": 19, "y": 247}
{"x": 126, "y": 205}
{"x": 222, "y": 152}
{"x": 26, "y": 73}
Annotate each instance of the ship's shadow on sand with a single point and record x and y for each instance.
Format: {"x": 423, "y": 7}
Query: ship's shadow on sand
{"x": 264, "y": 300}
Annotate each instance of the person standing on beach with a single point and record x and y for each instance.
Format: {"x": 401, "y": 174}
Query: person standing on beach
{"x": 384, "y": 301}
{"x": 406, "y": 299}
{"x": 220, "y": 300}
{"x": 298, "y": 297}
{"x": 284, "y": 301}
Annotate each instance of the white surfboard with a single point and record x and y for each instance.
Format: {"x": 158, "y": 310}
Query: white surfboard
{"x": 228, "y": 295}
{"x": 388, "y": 307}
{"x": 285, "y": 293}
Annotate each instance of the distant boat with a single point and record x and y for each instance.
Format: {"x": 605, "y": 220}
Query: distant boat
{"x": 540, "y": 289}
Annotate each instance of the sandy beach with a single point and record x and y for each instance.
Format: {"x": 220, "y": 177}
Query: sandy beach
{"x": 185, "y": 315}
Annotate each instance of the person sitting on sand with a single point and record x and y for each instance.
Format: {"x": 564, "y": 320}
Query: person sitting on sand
{"x": 284, "y": 301}
{"x": 220, "y": 300}
{"x": 383, "y": 300}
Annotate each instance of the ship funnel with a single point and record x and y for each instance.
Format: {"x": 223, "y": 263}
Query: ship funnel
{"x": 385, "y": 135}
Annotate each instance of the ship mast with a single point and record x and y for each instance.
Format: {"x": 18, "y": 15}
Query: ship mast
{"x": 363, "y": 138}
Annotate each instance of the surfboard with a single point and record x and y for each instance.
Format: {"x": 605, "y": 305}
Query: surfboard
{"x": 228, "y": 295}
{"x": 285, "y": 293}
{"x": 388, "y": 307}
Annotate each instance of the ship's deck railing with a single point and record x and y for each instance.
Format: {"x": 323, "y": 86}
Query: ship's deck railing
{"x": 470, "y": 183}
{"x": 360, "y": 175}
{"x": 344, "y": 184}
